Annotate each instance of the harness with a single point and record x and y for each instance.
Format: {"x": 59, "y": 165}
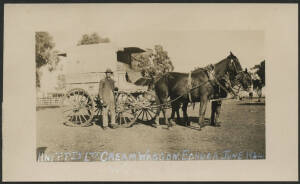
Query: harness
{"x": 190, "y": 86}
{"x": 212, "y": 78}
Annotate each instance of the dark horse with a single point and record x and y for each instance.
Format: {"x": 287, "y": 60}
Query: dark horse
{"x": 228, "y": 72}
{"x": 257, "y": 86}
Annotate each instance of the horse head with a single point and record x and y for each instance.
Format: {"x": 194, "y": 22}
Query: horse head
{"x": 231, "y": 68}
{"x": 244, "y": 79}
{"x": 233, "y": 65}
{"x": 237, "y": 75}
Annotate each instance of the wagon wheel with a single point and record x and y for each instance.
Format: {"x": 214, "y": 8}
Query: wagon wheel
{"x": 78, "y": 108}
{"x": 98, "y": 107}
{"x": 147, "y": 107}
{"x": 125, "y": 109}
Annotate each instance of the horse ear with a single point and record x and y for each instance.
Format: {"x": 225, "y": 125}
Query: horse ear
{"x": 231, "y": 53}
{"x": 246, "y": 70}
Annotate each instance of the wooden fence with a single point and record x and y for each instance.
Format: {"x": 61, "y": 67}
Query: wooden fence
{"x": 48, "y": 101}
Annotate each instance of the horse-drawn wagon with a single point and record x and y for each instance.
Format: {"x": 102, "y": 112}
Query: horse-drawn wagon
{"x": 133, "y": 102}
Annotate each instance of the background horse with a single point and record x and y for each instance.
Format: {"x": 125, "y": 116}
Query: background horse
{"x": 257, "y": 86}
{"x": 176, "y": 86}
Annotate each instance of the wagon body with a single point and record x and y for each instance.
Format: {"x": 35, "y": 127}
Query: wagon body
{"x": 81, "y": 104}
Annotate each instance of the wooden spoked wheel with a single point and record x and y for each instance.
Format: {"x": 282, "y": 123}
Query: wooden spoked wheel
{"x": 125, "y": 109}
{"x": 97, "y": 107}
{"x": 77, "y": 108}
{"x": 147, "y": 108}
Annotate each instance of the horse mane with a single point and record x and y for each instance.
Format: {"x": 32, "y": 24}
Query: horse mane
{"x": 221, "y": 62}
{"x": 198, "y": 69}
{"x": 165, "y": 76}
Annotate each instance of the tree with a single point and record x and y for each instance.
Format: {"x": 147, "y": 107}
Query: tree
{"x": 260, "y": 71}
{"x": 153, "y": 64}
{"x": 44, "y": 53}
{"x": 93, "y": 38}
{"x": 43, "y": 45}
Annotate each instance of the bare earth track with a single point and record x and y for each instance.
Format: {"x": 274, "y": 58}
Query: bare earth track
{"x": 242, "y": 129}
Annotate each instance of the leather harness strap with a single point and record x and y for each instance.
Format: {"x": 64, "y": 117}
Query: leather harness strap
{"x": 212, "y": 77}
{"x": 190, "y": 86}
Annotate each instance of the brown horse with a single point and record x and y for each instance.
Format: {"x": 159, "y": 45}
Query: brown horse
{"x": 176, "y": 86}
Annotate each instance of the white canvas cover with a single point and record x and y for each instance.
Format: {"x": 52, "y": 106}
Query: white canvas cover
{"x": 86, "y": 64}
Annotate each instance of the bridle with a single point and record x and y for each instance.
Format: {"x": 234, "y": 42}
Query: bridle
{"x": 237, "y": 86}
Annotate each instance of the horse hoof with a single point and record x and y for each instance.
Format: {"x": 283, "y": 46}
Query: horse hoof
{"x": 169, "y": 126}
{"x": 172, "y": 123}
{"x": 218, "y": 124}
{"x": 154, "y": 125}
{"x": 201, "y": 125}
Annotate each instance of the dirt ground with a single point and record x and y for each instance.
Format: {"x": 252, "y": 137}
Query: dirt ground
{"x": 242, "y": 129}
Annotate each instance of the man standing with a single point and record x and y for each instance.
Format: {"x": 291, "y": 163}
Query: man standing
{"x": 106, "y": 96}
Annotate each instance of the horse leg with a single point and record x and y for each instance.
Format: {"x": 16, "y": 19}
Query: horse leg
{"x": 173, "y": 112}
{"x": 218, "y": 111}
{"x": 174, "y": 109}
{"x": 164, "y": 101}
{"x": 213, "y": 113}
{"x": 177, "y": 113}
{"x": 202, "y": 110}
{"x": 165, "y": 117}
{"x": 185, "y": 116}
{"x": 259, "y": 95}
{"x": 156, "y": 121}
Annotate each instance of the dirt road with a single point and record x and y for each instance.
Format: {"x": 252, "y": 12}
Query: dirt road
{"x": 242, "y": 129}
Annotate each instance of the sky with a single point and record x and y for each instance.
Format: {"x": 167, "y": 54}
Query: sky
{"x": 187, "y": 49}
{"x": 193, "y": 35}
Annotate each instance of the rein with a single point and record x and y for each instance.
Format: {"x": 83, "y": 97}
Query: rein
{"x": 196, "y": 87}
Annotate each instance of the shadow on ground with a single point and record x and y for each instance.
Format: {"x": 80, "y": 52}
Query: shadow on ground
{"x": 254, "y": 103}
{"x": 180, "y": 122}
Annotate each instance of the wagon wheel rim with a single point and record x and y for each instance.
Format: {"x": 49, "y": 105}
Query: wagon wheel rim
{"x": 147, "y": 114}
{"x": 125, "y": 109}
{"x": 148, "y": 109}
{"x": 78, "y": 108}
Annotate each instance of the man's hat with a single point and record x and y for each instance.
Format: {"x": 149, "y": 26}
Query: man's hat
{"x": 108, "y": 70}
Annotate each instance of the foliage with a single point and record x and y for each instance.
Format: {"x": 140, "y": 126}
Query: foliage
{"x": 260, "y": 71}
{"x": 93, "y": 38}
{"x": 44, "y": 53}
{"x": 153, "y": 64}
